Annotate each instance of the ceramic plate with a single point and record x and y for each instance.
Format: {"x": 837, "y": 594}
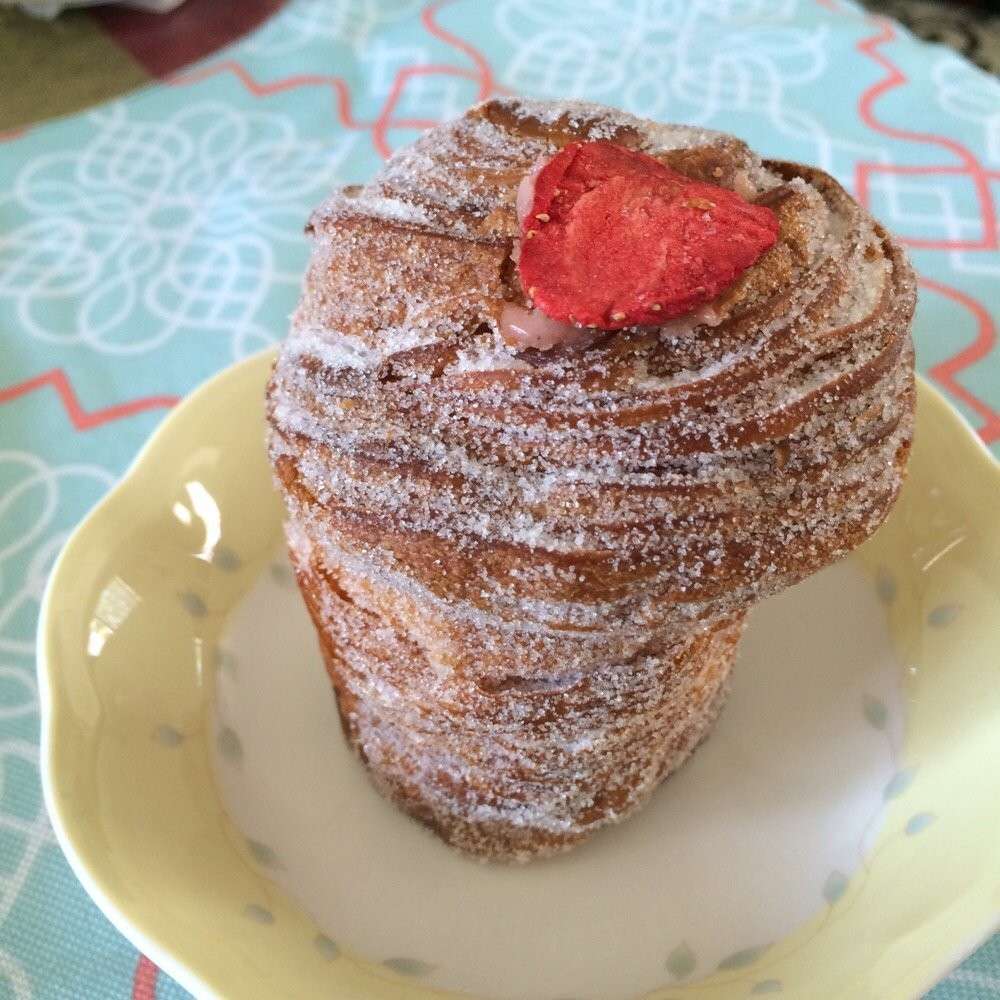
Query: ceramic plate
{"x": 834, "y": 838}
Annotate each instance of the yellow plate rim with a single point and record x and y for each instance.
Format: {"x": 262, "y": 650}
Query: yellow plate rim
{"x": 948, "y": 956}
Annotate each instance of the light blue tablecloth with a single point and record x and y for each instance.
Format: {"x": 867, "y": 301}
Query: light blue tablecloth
{"x": 151, "y": 241}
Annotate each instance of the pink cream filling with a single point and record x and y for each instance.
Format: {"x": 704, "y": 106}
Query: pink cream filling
{"x": 523, "y": 328}
{"x": 526, "y": 189}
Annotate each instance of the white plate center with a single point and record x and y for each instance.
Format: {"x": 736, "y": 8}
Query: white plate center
{"x": 751, "y": 838}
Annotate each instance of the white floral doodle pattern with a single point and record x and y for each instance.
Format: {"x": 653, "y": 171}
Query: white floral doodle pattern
{"x": 304, "y": 24}
{"x": 697, "y": 62}
{"x": 38, "y": 503}
{"x": 966, "y": 93}
{"x": 158, "y": 228}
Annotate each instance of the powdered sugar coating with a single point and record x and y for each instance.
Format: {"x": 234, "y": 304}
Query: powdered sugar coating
{"x": 486, "y": 535}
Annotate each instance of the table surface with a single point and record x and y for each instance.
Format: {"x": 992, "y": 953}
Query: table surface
{"x": 152, "y": 236}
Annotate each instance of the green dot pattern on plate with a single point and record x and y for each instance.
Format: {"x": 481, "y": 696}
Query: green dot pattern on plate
{"x": 834, "y": 886}
{"x": 681, "y": 962}
{"x": 942, "y": 615}
{"x": 226, "y": 559}
{"x": 767, "y": 986}
{"x": 229, "y": 745}
{"x": 326, "y": 947}
{"x": 193, "y": 604}
{"x": 408, "y": 966}
{"x": 281, "y": 573}
{"x": 919, "y": 822}
{"x": 224, "y": 660}
{"x": 741, "y": 959}
{"x": 885, "y": 586}
{"x": 258, "y": 914}
{"x": 899, "y": 783}
{"x": 167, "y": 736}
{"x": 875, "y": 711}
{"x": 263, "y": 854}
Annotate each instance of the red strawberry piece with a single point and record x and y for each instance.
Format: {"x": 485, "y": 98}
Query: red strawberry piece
{"x": 616, "y": 239}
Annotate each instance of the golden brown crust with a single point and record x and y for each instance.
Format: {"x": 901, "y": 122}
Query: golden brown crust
{"x": 516, "y": 523}
{"x": 595, "y": 743}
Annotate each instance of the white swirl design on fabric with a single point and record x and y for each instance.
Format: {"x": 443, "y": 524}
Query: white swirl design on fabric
{"x": 36, "y": 511}
{"x": 157, "y": 228}
{"x": 308, "y": 22}
{"x": 698, "y": 62}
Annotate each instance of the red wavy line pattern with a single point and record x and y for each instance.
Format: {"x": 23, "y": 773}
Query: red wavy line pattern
{"x": 80, "y": 418}
{"x": 385, "y": 120}
{"x": 969, "y": 165}
{"x": 945, "y": 372}
{"x": 144, "y": 980}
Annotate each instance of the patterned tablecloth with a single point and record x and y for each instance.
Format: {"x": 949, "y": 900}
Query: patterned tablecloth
{"x": 155, "y": 238}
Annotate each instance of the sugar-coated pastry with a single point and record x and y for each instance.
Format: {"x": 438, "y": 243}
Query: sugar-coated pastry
{"x": 567, "y": 393}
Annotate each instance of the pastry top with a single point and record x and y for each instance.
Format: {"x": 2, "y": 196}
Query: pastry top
{"x": 421, "y": 255}
{"x": 697, "y": 465}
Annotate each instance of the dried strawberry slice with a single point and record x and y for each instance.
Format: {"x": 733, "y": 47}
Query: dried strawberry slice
{"x": 616, "y": 239}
